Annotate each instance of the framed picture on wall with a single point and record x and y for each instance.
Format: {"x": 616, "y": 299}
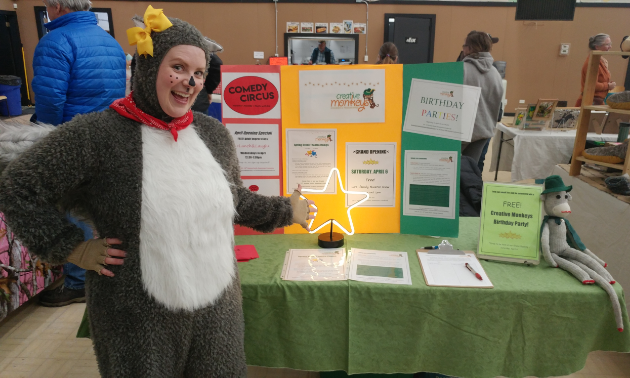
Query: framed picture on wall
{"x": 544, "y": 109}
{"x": 519, "y": 117}
{"x": 347, "y": 26}
{"x": 306, "y": 27}
{"x": 359, "y": 28}
{"x": 336, "y": 28}
{"x": 564, "y": 119}
{"x": 321, "y": 27}
{"x": 293, "y": 27}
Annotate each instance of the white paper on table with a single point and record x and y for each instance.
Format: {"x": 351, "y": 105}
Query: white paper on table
{"x": 390, "y": 267}
{"x": 315, "y": 265}
{"x": 450, "y": 270}
{"x": 311, "y": 154}
{"x": 441, "y": 109}
{"x": 429, "y": 183}
{"x": 371, "y": 168}
{"x": 257, "y": 148}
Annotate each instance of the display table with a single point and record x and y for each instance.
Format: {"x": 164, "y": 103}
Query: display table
{"x": 532, "y": 154}
{"x": 536, "y": 321}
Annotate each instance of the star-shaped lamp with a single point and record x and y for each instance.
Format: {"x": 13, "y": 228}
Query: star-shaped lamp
{"x": 334, "y": 239}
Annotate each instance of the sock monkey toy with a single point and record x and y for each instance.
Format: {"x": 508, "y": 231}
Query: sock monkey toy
{"x": 563, "y": 248}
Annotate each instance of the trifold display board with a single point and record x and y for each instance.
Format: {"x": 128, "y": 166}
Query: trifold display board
{"x": 295, "y": 130}
{"x": 412, "y": 142}
{"x": 251, "y": 105}
{"x": 350, "y": 117}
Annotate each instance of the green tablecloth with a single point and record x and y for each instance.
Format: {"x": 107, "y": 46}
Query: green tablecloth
{"x": 536, "y": 321}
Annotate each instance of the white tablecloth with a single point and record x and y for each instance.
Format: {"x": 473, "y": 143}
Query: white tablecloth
{"x": 535, "y": 153}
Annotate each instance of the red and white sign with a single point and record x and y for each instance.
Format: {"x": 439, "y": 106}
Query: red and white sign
{"x": 251, "y": 112}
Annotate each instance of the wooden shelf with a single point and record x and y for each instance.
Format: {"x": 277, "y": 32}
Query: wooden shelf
{"x": 617, "y": 166}
{"x": 618, "y": 53}
{"x": 606, "y": 108}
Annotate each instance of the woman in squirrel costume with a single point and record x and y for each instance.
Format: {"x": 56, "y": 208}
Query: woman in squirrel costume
{"x": 163, "y": 184}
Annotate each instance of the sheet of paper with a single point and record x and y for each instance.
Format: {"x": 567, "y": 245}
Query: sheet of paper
{"x": 371, "y": 168}
{"x": 342, "y": 95}
{"x": 441, "y": 109}
{"x": 429, "y": 183}
{"x": 257, "y": 148}
{"x": 380, "y": 266}
{"x": 510, "y": 222}
{"x": 311, "y": 154}
{"x": 450, "y": 270}
{"x": 315, "y": 265}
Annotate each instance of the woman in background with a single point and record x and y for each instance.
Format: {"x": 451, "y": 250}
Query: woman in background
{"x": 599, "y": 42}
{"x": 479, "y": 72}
{"x": 387, "y": 54}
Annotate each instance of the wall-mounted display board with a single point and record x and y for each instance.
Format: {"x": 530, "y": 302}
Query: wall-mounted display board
{"x": 251, "y": 111}
{"x": 349, "y": 117}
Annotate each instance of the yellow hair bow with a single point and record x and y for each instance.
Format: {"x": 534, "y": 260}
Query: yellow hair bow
{"x": 154, "y": 20}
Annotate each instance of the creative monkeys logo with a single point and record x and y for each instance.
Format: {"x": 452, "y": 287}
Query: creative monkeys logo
{"x": 445, "y": 160}
{"x": 447, "y": 94}
{"x": 322, "y": 138}
{"x": 353, "y": 100}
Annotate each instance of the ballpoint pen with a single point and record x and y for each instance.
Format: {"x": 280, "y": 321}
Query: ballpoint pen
{"x": 473, "y": 272}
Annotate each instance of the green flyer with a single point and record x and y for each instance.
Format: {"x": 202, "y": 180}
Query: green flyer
{"x": 510, "y": 223}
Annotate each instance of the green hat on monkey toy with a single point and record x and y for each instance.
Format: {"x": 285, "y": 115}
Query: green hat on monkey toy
{"x": 555, "y": 184}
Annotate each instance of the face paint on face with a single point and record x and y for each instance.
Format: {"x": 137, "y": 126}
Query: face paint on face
{"x": 177, "y": 96}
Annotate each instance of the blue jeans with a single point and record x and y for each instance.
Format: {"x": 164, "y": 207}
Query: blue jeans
{"x": 482, "y": 158}
{"x": 75, "y": 276}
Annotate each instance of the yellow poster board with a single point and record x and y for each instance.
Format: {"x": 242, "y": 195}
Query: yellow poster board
{"x": 333, "y": 206}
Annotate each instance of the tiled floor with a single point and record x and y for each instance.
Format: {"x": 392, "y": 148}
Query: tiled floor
{"x": 40, "y": 342}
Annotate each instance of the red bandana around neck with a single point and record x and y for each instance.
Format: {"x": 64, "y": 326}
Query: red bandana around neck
{"x": 126, "y": 107}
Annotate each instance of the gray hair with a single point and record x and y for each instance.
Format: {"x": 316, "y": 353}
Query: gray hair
{"x": 597, "y": 40}
{"x": 73, "y": 5}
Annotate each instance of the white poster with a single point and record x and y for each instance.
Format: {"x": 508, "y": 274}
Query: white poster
{"x": 342, "y": 96}
{"x": 311, "y": 154}
{"x": 441, "y": 109}
{"x": 251, "y": 95}
{"x": 265, "y": 187}
{"x": 257, "y": 148}
{"x": 371, "y": 168}
{"x": 306, "y": 27}
{"x": 429, "y": 184}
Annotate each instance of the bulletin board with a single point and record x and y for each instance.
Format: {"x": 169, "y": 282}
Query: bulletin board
{"x": 360, "y": 129}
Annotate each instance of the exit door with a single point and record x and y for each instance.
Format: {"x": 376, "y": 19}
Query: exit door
{"x": 413, "y": 35}
{"x": 11, "y": 59}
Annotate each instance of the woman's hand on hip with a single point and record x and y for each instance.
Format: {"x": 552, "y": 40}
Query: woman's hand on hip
{"x": 95, "y": 254}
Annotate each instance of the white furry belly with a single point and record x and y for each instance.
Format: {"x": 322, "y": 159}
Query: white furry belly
{"x": 186, "y": 232}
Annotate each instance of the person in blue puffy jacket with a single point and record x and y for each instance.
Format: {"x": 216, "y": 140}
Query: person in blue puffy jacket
{"x": 78, "y": 68}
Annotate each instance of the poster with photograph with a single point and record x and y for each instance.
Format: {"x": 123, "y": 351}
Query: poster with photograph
{"x": 565, "y": 119}
{"x": 293, "y": 27}
{"x": 321, "y": 27}
{"x": 359, "y": 28}
{"x": 257, "y": 148}
{"x": 371, "y": 168}
{"x": 306, "y": 27}
{"x": 311, "y": 154}
{"x": 336, "y": 27}
{"x": 430, "y": 183}
{"x": 342, "y": 96}
{"x": 441, "y": 109}
{"x": 347, "y": 26}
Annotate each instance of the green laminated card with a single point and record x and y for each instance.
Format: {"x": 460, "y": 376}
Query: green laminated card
{"x": 510, "y": 223}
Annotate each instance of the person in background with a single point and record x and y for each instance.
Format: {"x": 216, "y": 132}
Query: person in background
{"x": 479, "y": 72}
{"x": 322, "y": 54}
{"x": 599, "y": 42}
{"x": 387, "y": 54}
{"x": 129, "y": 58}
{"x": 209, "y": 85}
{"x": 461, "y": 53}
{"x": 78, "y": 68}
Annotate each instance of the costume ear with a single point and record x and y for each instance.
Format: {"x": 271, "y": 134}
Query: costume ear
{"x": 214, "y": 47}
{"x": 138, "y": 21}
{"x": 569, "y": 198}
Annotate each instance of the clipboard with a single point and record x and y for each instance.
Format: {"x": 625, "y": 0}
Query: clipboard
{"x": 446, "y": 267}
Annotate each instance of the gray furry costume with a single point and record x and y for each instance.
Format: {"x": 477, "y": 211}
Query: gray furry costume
{"x": 174, "y": 308}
